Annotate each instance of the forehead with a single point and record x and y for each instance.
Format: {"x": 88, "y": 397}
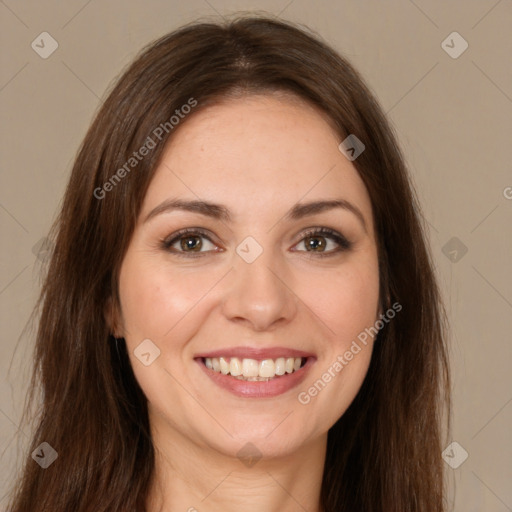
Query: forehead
{"x": 257, "y": 153}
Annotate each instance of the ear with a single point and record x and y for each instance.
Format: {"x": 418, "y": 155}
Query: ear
{"x": 112, "y": 318}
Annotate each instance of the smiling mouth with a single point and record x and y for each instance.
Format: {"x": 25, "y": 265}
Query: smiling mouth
{"x": 254, "y": 370}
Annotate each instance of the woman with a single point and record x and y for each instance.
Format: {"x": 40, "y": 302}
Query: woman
{"x": 240, "y": 312}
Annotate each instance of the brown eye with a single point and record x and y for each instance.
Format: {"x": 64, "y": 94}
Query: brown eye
{"x": 315, "y": 243}
{"x": 324, "y": 242}
{"x": 189, "y": 242}
{"x": 194, "y": 243}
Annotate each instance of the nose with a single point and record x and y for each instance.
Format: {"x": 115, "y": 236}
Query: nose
{"x": 258, "y": 293}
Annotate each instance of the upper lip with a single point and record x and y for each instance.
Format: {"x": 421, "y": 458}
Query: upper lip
{"x": 255, "y": 353}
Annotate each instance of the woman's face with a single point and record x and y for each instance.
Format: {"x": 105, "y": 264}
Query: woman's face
{"x": 253, "y": 282}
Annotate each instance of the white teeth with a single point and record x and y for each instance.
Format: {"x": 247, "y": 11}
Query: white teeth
{"x": 280, "y": 366}
{"x": 249, "y": 367}
{"x": 235, "y": 368}
{"x": 268, "y": 368}
{"x": 224, "y": 366}
{"x": 252, "y": 369}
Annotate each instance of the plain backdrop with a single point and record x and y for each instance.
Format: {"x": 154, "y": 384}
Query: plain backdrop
{"x": 451, "y": 107}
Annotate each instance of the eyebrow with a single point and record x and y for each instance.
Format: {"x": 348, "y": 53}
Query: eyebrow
{"x": 220, "y": 212}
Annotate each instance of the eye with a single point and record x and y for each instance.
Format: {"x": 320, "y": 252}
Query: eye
{"x": 189, "y": 242}
{"x": 316, "y": 241}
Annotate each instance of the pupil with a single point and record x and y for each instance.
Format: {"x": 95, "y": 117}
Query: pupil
{"x": 316, "y": 242}
{"x": 191, "y": 242}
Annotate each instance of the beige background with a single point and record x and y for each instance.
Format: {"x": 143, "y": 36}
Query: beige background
{"x": 453, "y": 118}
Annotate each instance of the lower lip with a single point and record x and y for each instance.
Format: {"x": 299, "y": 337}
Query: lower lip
{"x": 264, "y": 389}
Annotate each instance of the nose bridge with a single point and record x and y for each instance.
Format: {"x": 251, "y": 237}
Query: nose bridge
{"x": 257, "y": 292}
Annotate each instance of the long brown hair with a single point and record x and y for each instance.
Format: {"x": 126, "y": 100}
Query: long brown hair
{"x": 384, "y": 453}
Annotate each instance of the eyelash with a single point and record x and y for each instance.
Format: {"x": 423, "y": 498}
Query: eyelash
{"x": 343, "y": 243}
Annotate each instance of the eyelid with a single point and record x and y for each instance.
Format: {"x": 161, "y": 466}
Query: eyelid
{"x": 193, "y": 231}
{"x": 176, "y": 236}
{"x": 343, "y": 243}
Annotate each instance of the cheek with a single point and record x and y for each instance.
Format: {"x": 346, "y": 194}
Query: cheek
{"x": 144, "y": 301}
{"x": 345, "y": 300}
{"x": 155, "y": 299}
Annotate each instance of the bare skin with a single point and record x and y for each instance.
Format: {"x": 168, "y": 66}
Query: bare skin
{"x": 258, "y": 156}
